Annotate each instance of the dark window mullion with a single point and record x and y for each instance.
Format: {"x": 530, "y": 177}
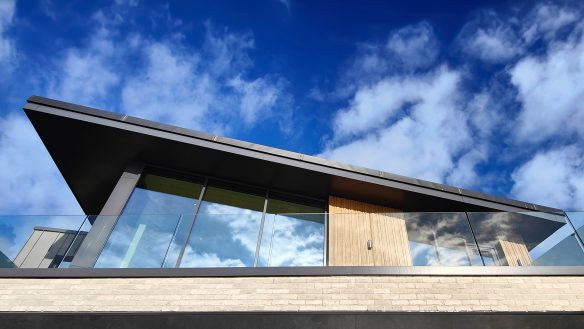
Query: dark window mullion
{"x": 326, "y": 239}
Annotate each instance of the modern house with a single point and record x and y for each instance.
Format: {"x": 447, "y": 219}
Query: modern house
{"x": 187, "y": 229}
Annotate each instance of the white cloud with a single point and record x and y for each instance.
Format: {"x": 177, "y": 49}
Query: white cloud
{"x": 31, "y": 183}
{"x": 372, "y": 106}
{"x": 545, "y": 20}
{"x": 554, "y": 178}
{"x": 424, "y": 125}
{"x": 410, "y": 126}
{"x": 490, "y": 39}
{"x": 88, "y": 75}
{"x": 551, "y": 89}
{"x": 205, "y": 88}
{"x": 413, "y": 47}
{"x": 208, "y": 87}
{"x": 485, "y": 122}
{"x": 227, "y": 52}
{"x": 485, "y": 111}
{"x": 499, "y": 38}
{"x": 7, "y": 50}
{"x": 494, "y": 45}
{"x": 169, "y": 89}
{"x": 256, "y": 97}
{"x": 463, "y": 173}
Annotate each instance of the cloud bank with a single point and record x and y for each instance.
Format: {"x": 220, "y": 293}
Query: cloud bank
{"x": 438, "y": 120}
{"x": 125, "y": 68}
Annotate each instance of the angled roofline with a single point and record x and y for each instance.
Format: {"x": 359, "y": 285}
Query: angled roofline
{"x": 42, "y": 104}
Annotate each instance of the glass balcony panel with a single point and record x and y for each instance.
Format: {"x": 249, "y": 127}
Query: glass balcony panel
{"x": 223, "y": 239}
{"x": 77, "y": 241}
{"x": 443, "y": 239}
{"x": 577, "y": 219}
{"x": 295, "y": 240}
{"x": 226, "y": 230}
{"x": 159, "y": 211}
{"x": 526, "y": 239}
{"x": 305, "y": 234}
{"x": 267, "y": 241}
{"x": 139, "y": 241}
{"x": 37, "y": 241}
{"x": 401, "y": 239}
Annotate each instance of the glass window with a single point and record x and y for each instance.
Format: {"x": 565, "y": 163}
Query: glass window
{"x": 226, "y": 229}
{"x": 441, "y": 239}
{"x": 153, "y": 226}
{"x": 526, "y": 239}
{"x": 293, "y": 235}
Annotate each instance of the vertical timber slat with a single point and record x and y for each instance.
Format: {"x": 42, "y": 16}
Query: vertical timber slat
{"x": 352, "y": 223}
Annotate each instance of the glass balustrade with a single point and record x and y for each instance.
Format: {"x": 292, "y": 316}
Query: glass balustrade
{"x": 526, "y": 239}
{"x": 40, "y": 241}
{"x": 441, "y": 239}
{"x": 577, "y": 220}
{"x": 226, "y": 233}
{"x": 401, "y": 239}
{"x": 293, "y": 240}
{"x": 141, "y": 241}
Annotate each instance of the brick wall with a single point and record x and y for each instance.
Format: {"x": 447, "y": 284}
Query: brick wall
{"x": 325, "y": 293}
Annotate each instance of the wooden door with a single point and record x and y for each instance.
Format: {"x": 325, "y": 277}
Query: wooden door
{"x": 389, "y": 236}
{"x": 352, "y": 224}
{"x": 349, "y": 229}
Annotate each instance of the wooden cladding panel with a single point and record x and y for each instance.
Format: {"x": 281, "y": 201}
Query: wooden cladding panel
{"x": 352, "y": 223}
{"x": 347, "y": 240}
{"x": 390, "y": 237}
{"x": 515, "y": 252}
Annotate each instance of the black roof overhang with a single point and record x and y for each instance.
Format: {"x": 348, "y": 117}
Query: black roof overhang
{"x": 92, "y": 148}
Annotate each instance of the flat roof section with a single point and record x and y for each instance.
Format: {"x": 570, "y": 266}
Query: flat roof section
{"x": 92, "y": 147}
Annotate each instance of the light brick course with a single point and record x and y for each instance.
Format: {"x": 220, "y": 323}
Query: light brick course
{"x": 332, "y": 293}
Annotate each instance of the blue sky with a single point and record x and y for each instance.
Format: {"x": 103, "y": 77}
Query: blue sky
{"x": 484, "y": 95}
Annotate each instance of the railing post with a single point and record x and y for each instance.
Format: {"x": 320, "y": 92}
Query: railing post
{"x": 191, "y": 225}
{"x": 261, "y": 232}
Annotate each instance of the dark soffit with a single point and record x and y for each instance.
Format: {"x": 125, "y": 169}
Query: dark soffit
{"x": 92, "y": 147}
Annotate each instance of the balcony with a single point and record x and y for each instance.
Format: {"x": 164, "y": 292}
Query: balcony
{"x": 256, "y": 240}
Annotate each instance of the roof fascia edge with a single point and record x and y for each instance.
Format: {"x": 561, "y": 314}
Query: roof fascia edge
{"x": 72, "y": 111}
